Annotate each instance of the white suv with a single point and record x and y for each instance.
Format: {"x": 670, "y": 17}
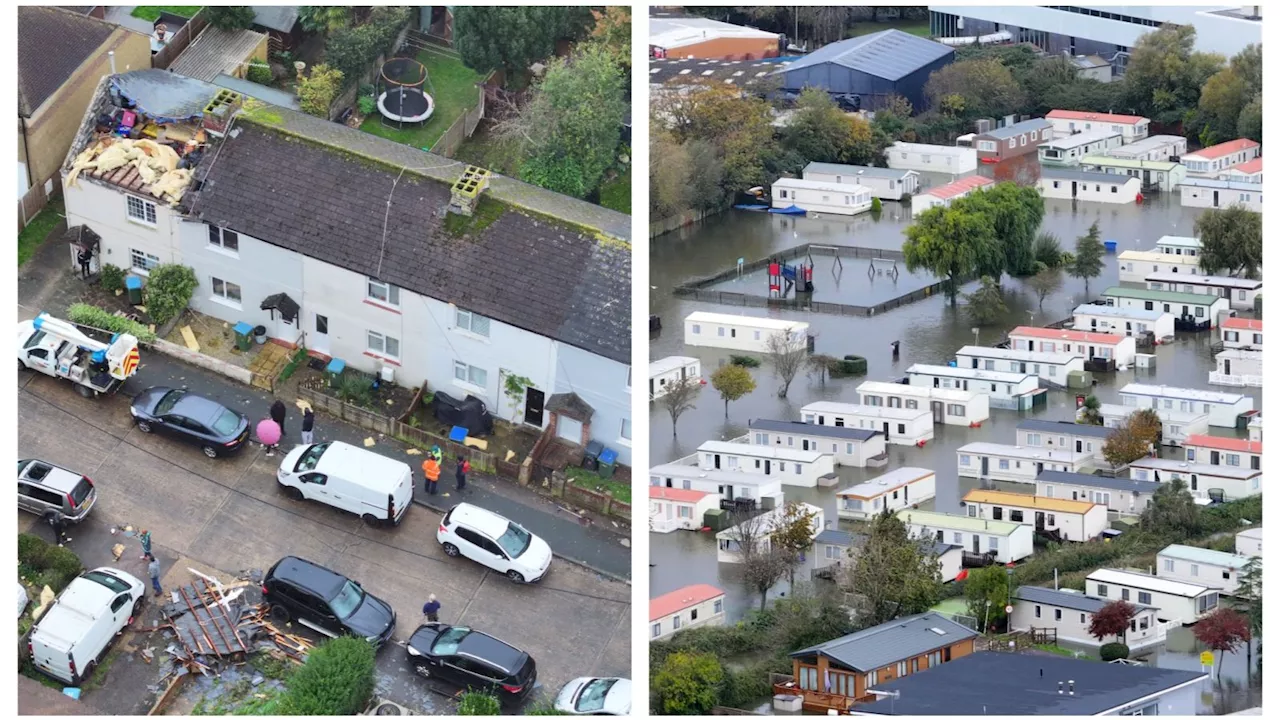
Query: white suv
{"x": 495, "y": 542}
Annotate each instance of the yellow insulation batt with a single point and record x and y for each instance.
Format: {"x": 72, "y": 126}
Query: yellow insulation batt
{"x": 156, "y": 164}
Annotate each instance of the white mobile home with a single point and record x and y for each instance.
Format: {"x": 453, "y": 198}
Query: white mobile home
{"x": 1176, "y": 425}
{"x": 1237, "y": 368}
{"x": 727, "y": 484}
{"x": 821, "y": 197}
{"x": 1062, "y": 435}
{"x": 800, "y": 468}
{"x": 670, "y": 370}
{"x": 849, "y": 446}
{"x": 1070, "y": 612}
{"x": 944, "y": 195}
{"x": 950, "y": 560}
{"x": 1070, "y": 122}
{"x": 1067, "y": 151}
{"x": 946, "y": 159}
{"x": 1136, "y": 265}
{"x": 729, "y": 540}
{"x": 900, "y": 426}
{"x": 1128, "y": 322}
{"x": 831, "y": 550}
{"x": 1009, "y": 542}
{"x": 1191, "y": 312}
{"x": 1234, "y": 452}
{"x": 1242, "y": 334}
{"x": 1240, "y": 292}
{"x": 1160, "y": 148}
{"x": 1121, "y": 495}
{"x": 1249, "y": 542}
{"x": 741, "y": 332}
{"x": 1161, "y": 176}
{"x": 1009, "y": 391}
{"x": 1082, "y": 186}
{"x": 1179, "y": 245}
{"x": 883, "y": 183}
{"x": 1224, "y": 409}
{"x": 1215, "y": 159}
{"x": 1051, "y": 367}
{"x": 1207, "y": 193}
{"x": 1175, "y": 601}
{"x": 672, "y": 509}
{"x": 1094, "y": 346}
{"x": 1072, "y": 520}
{"x": 1255, "y": 429}
{"x": 1207, "y": 482}
{"x": 688, "y": 607}
{"x": 951, "y": 407}
{"x": 1249, "y": 172}
{"x": 1012, "y": 463}
{"x": 1211, "y": 568}
{"x": 893, "y": 491}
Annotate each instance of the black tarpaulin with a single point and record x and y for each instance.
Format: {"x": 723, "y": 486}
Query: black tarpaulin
{"x": 283, "y": 304}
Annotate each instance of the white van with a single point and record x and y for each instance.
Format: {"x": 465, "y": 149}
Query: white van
{"x": 75, "y": 632}
{"x": 364, "y": 483}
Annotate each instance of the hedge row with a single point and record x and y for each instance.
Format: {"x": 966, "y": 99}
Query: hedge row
{"x": 96, "y": 317}
{"x": 40, "y": 563}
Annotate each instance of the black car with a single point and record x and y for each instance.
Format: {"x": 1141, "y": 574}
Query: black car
{"x": 472, "y": 660}
{"x": 325, "y": 601}
{"x": 194, "y": 418}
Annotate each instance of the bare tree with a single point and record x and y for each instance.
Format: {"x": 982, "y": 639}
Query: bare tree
{"x": 681, "y": 395}
{"x": 763, "y": 562}
{"x": 820, "y": 367}
{"x": 788, "y": 355}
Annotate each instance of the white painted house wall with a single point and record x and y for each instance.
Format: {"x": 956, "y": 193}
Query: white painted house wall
{"x": 1136, "y": 265}
{"x": 945, "y": 159}
{"x": 605, "y": 385}
{"x": 891, "y": 491}
{"x": 950, "y": 407}
{"x": 104, "y": 208}
{"x": 669, "y": 370}
{"x": 900, "y": 426}
{"x": 1011, "y": 463}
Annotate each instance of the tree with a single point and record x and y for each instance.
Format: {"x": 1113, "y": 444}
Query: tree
{"x": 168, "y": 292}
{"x": 1226, "y": 94}
{"x": 317, "y": 90}
{"x": 1112, "y": 619}
{"x": 1015, "y": 213}
{"x": 1044, "y": 283}
{"x": 762, "y": 563}
{"x": 894, "y": 573}
{"x": 514, "y": 386}
{"x": 985, "y": 305}
{"x": 1087, "y": 261}
{"x": 612, "y": 30}
{"x": 688, "y": 683}
{"x": 681, "y": 395}
{"x": 324, "y": 18}
{"x": 820, "y": 366}
{"x": 1129, "y": 442}
{"x": 1250, "y": 592}
{"x": 787, "y": 354}
{"x": 1164, "y": 74}
{"x": 951, "y": 244}
{"x": 337, "y": 679}
{"x": 1172, "y": 511}
{"x": 820, "y": 131}
{"x": 1222, "y": 630}
{"x": 513, "y": 38}
{"x": 1146, "y": 425}
{"x": 1230, "y": 241}
{"x": 1250, "y": 122}
{"x": 732, "y": 382}
{"x": 793, "y": 534}
{"x": 669, "y": 175}
{"x": 1091, "y": 413}
{"x": 982, "y": 87}
{"x": 986, "y": 593}
{"x": 229, "y": 17}
{"x": 1047, "y": 249}
{"x": 706, "y": 176}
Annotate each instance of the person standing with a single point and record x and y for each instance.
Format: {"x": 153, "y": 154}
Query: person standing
{"x": 431, "y": 469}
{"x": 144, "y": 537}
{"x": 308, "y": 425}
{"x": 84, "y": 258}
{"x": 59, "y": 529}
{"x": 278, "y": 414}
{"x": 460, "y": 474}
{"x": 432, "y": 609}
{"x": 153, "y": 569}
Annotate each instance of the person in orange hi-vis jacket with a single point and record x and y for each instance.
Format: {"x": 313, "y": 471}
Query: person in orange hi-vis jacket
{"x": 431, "y": 469}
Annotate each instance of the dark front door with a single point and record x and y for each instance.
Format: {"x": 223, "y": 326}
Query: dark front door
{"x": 804, "y": 445}
{"x": 1215, "y": 198}
{"x": 768, "y": 467}
{"x": 1039, "y": 468}
{"x": 936, "y": 405}
{"x": 984, "y": 467}
{"x": 977, "y": 544}
{"x": 997, "y": 513}
{"x": 1213, "y": 457}
{"x": 1073, "y": 189}
{"x": 886, "y": 431}
{"x": 1079, "y": 446}
{"x": 1226, "y": 365}
{"x": 717, "y": 461}
{"x": 650, "y": 387}
{"x": 1039, "y": 521}
{"x": 533, "y": 402}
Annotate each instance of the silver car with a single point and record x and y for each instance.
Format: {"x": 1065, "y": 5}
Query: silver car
{"x": 45, "y": 489}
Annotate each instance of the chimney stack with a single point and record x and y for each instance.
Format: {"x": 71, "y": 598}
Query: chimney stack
{"x": 466, "y": 191}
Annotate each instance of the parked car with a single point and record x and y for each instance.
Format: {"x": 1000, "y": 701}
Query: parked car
{"x": 472, "y": 660}
{"x": 495, "y": 542}
{"x": 325, "y": 601}
{"x": 595, "y": 696}
{"x": 470, "y": 413}
{"x": 23, "y": 599}
{"x": 194, "y": 418}
{"x": 350, "y": 478}
{"x": 45, "y": 489}
{"x": 75, "y": 632}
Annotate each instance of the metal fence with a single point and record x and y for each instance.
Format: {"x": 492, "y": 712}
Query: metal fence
{"x": 180, "y": 41}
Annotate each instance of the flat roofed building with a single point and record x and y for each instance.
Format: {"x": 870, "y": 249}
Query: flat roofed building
{"x": 1052, "y": 368}
{"x": 1129, "y": 322}
{"x": 1213, "y": 160}
{"x": 699, "y": 37}
{"x": 672, "y": 509}
{"x": 1067, "y": 150}
{"x": 731, "y": 486}
{"x": 691, "y": 606}
{"x": 1094, "y": 346}
{"x": 952, "y": 407}
{"x": 897, "y": 489}
{"x": 1120, "y": 495}
{"x": 800, "y": 468}
{"x": 1211, "y": 193}
{"x": 1011, "y": 463}
{"x": 1135, "y": 265}
{"x": 900, "y": 426}
{"x": 1156, "y": 175}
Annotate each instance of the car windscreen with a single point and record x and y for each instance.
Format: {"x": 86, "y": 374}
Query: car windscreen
{"x": 515, "y": 540}
{"x": 34, "y": 340}
{"x": 81, "y": 491}
{"x": 310, "y": 458}
{"x": 111, "y": 582}
{"x": 167, "y": 402}
{"x": 226, "y": 424}
{"x": 447, "y": 643}
{"x": 592, "y": 696}
{"x": 348, "y": 599}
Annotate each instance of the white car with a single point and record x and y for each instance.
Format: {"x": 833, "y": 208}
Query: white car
{"x": 595, "y": 696}
{"x": 75, "y": 632}
{"x": 495, "y": 542}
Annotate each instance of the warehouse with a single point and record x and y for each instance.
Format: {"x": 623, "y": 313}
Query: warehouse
{"x": 871, "y": 68}
{"x": 699, "y": 37}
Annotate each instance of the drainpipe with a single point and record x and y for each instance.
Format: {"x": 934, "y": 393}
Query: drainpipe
{"x": 26, "y": 151}
{"x": 111, "y": 55}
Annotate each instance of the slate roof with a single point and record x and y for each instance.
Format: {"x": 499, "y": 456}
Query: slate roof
{"x": 281, "y": 18}
{"x": 888, "y": 54}
{"x": 885, "y": 644}
{"x": 52, "y": 44}
{"x": 1065, "y": 427}
{"x": 802, "y": 428}
{"x": 740, "y": 72}
{"x": 1098, "y": 481}
{"x": 1060, "y": 598}
{"x": 1017, "y": 129}
{"x": 999, "y": 683}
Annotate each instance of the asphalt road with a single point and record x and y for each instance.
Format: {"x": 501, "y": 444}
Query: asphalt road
{"x": 228, "y": 515}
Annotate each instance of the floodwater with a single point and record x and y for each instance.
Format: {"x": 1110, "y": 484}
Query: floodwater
{"x": 930, "y": 331}
{"x": 852, "y": 281}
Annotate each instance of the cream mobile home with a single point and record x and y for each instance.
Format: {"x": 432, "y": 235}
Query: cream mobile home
{"x": 665, "y": 373}
{"x": 900, "y": 426}
{"x": 1242, "y": 333}
{"x": 849, "y": 446}
{"x": 800, "y": 468}
{"x": 1128, "y": 322}
{"x": 883, "y": 183}
{"x": 1082, "y": 186}
{"x": 1155, "y": 175}
{"x": 672, "y": 509}
{"x": 1160, "y": 148}
{"x": 761, "y": 528}
{"x": 951, "y": 407}
{"x": 1051, "y": 367}
{"x": 1176, "y": 425}
{"x": 1063, "y": 435}
{"x": 1234, "y": 452}
{"x": 1240, "y": 292}
{"x": 730, "y": 485}
{"x": 1012, "y": 463}
{"x": 1007, "y": 541}
{"x": 946, "y": 159}
{"x": 1067, "y": 151}
{"x": 1207, "y": 482}
{"x": 821, "y": 197}
{"x": 1069, "y": 122}
{"x": 1206, "y": 193}
{"x": 1174, "y": 600}
{"x": 1224, "y": 409}
{"x": 1120, "y": 495}
{"x": 1136, "y": 265}
{"x": 1094, "y": 346}
{"x": 1191, "y": 312}
{"x": 1006, "y": 390}
{"x": 1179, "y": 245}
{"x": 1202, "y": 566}
{"x": 1071, "y": 520}
{"x": 740, "y": 332}
{"x": 1069, "y": 614}
{"x": 893, "y": 491}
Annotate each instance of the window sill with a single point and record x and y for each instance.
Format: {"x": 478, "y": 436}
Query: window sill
{"x": 624, "y": 442}
{"x": 469, "y": 387}
{"x": 143, "y": 223}
{"x": 233, "y": 254}
{"x": 382, "y": 306}
{"x": 225, "y": 302}
{"x": 384, "y": 358}
{"x": 472, "y": 335}
{"x": 140, "y": 272}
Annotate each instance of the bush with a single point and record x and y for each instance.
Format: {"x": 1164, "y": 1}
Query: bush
{"x": 1113, "y": 651}
{"x": 337, "y": 679}
{"x": 111, "y": 278}
{"x": 354, "y": 388}
{"x": 876, "y": 206}
{"x": 44, "y": 564}
{"x": 31, "y": 549}
{"x": 259, "y": 73}
{"x": 687, "y": 684}
{"x": 366, "y": 104}
{"x": 96, "y": 317}
{"x": 745, "y": 361}
{"x": 352, "y": 50}
{"x": 317, "y": 91}
{"x": 479, "y": 703}
{"x": 850, "y": 365}
{"x": 169, "y": 290}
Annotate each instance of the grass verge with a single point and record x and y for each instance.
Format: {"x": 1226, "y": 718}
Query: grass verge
{"x": 151, "y": 13}
{"x": 34, "y": 234}
{"x": 452, "y": 87}
{"x": 616, "y": 194}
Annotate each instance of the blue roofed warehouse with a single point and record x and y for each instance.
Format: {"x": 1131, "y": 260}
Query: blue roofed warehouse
{"x": 871, "y": 68}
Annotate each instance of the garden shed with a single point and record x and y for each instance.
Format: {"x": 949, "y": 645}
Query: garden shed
{"x": 871, "y": 68}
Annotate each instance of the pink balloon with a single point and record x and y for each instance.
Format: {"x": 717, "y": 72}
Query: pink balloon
{"x": 268, "y": 432}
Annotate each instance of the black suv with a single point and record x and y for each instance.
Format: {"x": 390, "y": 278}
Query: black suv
{"x": 325, "y": 601}
{"x": 473, "y": 660}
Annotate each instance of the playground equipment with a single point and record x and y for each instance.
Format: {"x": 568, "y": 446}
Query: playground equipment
{"x": 873, "y": 270}
{"x": 401, "y": 98}
{"x": 783, "y": 278}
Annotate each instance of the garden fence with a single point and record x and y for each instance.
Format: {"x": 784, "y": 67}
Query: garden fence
{"x": 463, "y": 127}
{"x": 35, "y": 200}
{"x": 180, "y": 41}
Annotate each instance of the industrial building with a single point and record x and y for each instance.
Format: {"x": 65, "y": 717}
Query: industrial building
{"x": 871, "y": 68}
{"x": 699, "y": 37}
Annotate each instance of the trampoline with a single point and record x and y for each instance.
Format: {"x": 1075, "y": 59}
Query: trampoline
{"x": 401, "y": 99}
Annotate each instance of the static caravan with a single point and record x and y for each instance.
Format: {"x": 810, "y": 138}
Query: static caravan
{"x": 946, "y": 159}
{"x": 1216, "y": 159}
{"x": 893, "y": 491}
{"x": 821, "y": 197}
{"x": 831, "y": 550}
{"x": 1211, "y": 568}
{"x": 1255, "y": 429}
{"x": 1224, "y": 409}
{"x": 951, "y": 407}
{"x": 1191, "y": 312}
{"x": 1072, "y": 520}
{"x": 900, "y": 426}
{"x": 1161, "y": 148}
{"x": 1237, "y": 368}
{"x": 1120, "y": 495}
{"x": 1175, "y": 425}
{"x": 1067, "y": 151}
{"x": 1207, "y": 193}
{"x": 672, "y": 509}
{"x": 688, "y": 607}
{"x": 1136, "y": 265}
{"x": 1155, "y": 175}
{"x": 741, "y": 332}
{"x": 1101, "y": 349}
{"x": 1179, "y": 245}
{"x": 1082, "y": 186}
{"x": 1207, "y": 482}
{"x": 1127, "y": 321}
{"x": 729, "y": 485}
{"x": 1007, "y": 541}
{"x": 1249, "y": 172}
{"x": 944, "y": 195}
{"x": 1063, "y": 435}
{"x": 1239, "y": 292}
{"x": 1242, "y": 334}
{"x": 1009, "y": 391}
{"x": 1051, "y": 367}
{"x": 800, "y": 468}
{"x": 1069, "y": 122}
{"x": 669, "y": 370}
{"x": 1070, "y": 612}
{"x": 1233, "y": 452}
{"x": 1013, "y": 140}
{"x": 1175, "y": 601}
{"x": 1249, "y": 542}
{"x": 950, "y": 560}
{"x": 848, "y": 446}
{"x": 1013, "y": 463}
{"x": 762, "y": 527}
{"x": 883, "y": 183}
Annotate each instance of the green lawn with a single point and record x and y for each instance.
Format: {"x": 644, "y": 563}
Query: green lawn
{"x": 484, "y": 149}
{"x": 913, "y": 27}
{"x": 30, "y": 239}
{"x": 954, "y": 606}
{"x": 616, "y": 194}
{"x": 587, "y": 479}
{"x": 151, "y": 13}
{"x": 452, "y": 87}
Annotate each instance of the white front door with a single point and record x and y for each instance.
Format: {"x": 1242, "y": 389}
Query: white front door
{"x": 318, "y": 339}
{"x": 569, "y": 429}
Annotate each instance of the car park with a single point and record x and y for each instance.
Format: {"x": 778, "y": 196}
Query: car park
{"x": 472, "y": 660}
{"x": 361, "y": 482}
{"x": 192, "y": 418}
{"x": 45, "y": 489}
{"x": 75, "y": 632}
{"x": 595, "y": 696}
{"x": 325, "y": 601}
{"x": 495, "y": 542}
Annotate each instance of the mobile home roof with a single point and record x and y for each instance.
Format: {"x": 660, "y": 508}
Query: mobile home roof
{"x": 1174, "y": 416}
{"x": 1180, "y": 393}
{"x": 971, "y": 373}
{"x": 667, "y": 364}
{"x": 1059, "y": 477}
{"x": 836, "y": 408}
{"x": 1206, "y": 280}
{"x": 1205, "y": 556}
{"x": 1044, "y": 333}
{"x": 946, "y": 521}
{"x": 1104, "y": 160}
{"x": 746, "y": 321}
{"x": 1018, "y": 451}
{"x": 1148, "y": 582}
{"x": 1065, "y": 427}
{"x": 1084, "y": 138}
{"x": 693, "y": 472}
{"x": 797, "y": 427}
{"x": 1168, "y": 296}
{"x": 1146, "y": 144}
{"x": 1053, "y": 173}
{"x": 1225, "y": 471}
{"x": 1050, "y": 358}
{"x": 1023, "y": 500}
{"x": 1152, "y": 256}
{"x": 1119, "y": 312}
{"x": 760, "y": 451}
{"x": 888, "y": 482}
{"x": 890, "y": 388}
{"x": 1178, "y": 241}
{"x": 801, "y": 184}
{"x": 852, "y": 171}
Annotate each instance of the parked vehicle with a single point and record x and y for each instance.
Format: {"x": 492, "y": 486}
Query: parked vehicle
{"x": 325, "y": 601}
{"x": 75, "y": 632}
{"x": 23, "y": 599}
{"x": 495, "y": 542}
{"x": 472, "y": 660}
{"x": 363, "y": 483}
{"x": 471, "y": 413}
{"x": 193, "y": 418}
{"x": 45, "y": 489}
{"x": 59, "y": 349}
{"x": 595, "y": 696}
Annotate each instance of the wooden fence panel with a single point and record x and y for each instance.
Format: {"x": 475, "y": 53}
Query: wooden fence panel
{"x": 30, "y": 205}
{"x": 180, "y": 41}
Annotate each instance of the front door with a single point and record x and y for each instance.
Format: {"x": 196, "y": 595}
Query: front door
{"x": 1213, "y": 456}
{"x": 977, "y": 544}
{"x": 650, "y": 387}
{"x": 1079, "y": 446}
{"x": 936, "y": 406}
{"x": 1226, "y": 366}
{"x": 1039, "y": 521}
{"x": 886, "y": 431}
{"x": 716, "y": 461}
{"x": 768, "y": 467}
{"x": 533, "y": 402}
{"x": 1215, "y": 198}
{"x": 1039, "y": 468}
{"x": 984, "y": 467}
{"x": 1073, "y": 189}
{"x": 319, "y": 340}
{"x": 997, "y": 513}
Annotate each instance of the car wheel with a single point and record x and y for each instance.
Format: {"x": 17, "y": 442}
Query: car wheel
{"x": 515, "y": 577}
{"x": 21, "y": 365}
{"x": 144, "y": 426}
{"x": 293, "y": 492}
{"x": 86, "y": 391}
{"x": 88, "y": 672}
{"x": 280, "y": 613}
{"x": 136, "y": 612}
{"x": 371, "y": 520}
{"x": 209, "y": 452}
{"x": 423, "y": 670}
{"x": 451, "y": 550}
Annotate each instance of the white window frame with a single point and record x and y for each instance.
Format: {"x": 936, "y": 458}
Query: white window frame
{"x": 149, "y": 262}
{"x": 140, "y": 211}
{"x": 466, "y": 321}
{"x": 392, "y": 293}
{"x": 224, "y": 297}
{"x": 468, "y": 370}
{"x": 385, "y": 341}
{"x": 218, "y": 241}
{"x": 624, "y": 432}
